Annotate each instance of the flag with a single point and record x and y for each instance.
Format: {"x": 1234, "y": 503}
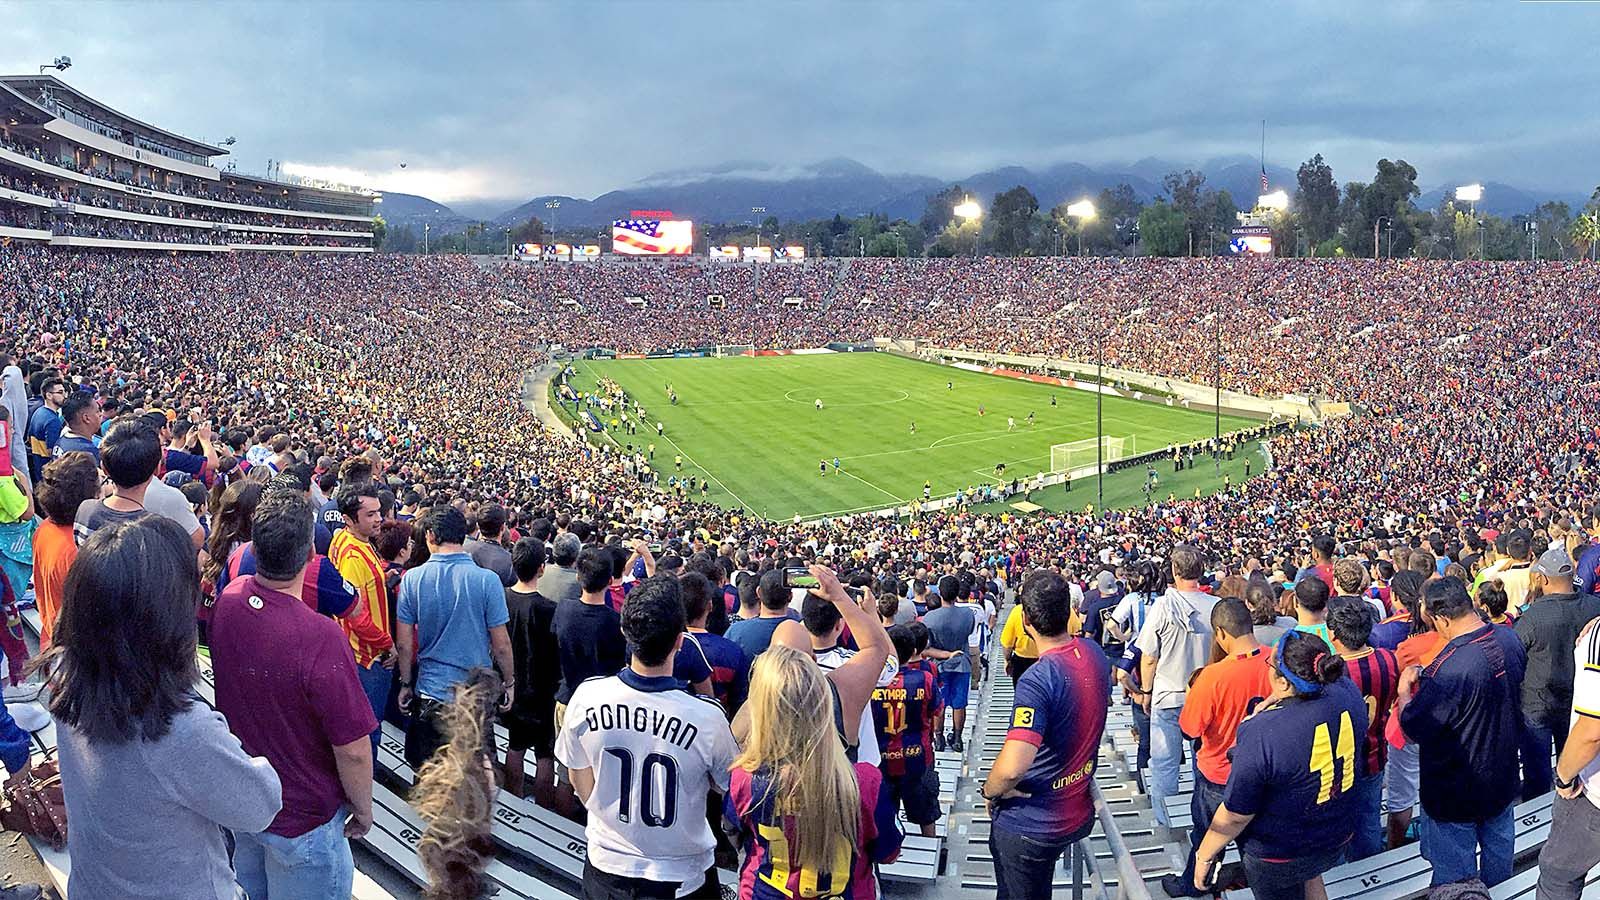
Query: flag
{"x": 1263, "y": 179}
{"x": 649, "y": 237}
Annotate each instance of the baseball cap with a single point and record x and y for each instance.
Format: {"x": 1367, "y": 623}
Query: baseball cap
{"x": 1555, "y": 563}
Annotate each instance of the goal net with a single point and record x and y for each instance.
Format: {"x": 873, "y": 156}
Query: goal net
{"x": 735, "y": 350}
{"x": 1084, "y": 454}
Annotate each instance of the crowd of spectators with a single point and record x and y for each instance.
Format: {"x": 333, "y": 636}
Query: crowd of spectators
{"x": 390, "y": 387}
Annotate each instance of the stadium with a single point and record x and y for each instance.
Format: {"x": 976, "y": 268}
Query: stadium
{"x": 953, "y": 423}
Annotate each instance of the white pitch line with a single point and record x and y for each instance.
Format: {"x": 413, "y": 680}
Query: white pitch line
{"x": 708, "y": 472}
{"x": 896, "y": 497}
{"x": 982, "y": 440}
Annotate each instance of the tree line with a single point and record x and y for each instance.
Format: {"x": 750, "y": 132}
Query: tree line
{"x": 1188, "y": 218}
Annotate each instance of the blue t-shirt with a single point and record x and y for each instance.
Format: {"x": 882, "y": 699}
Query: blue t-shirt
{"x": 1060, "y": 709}
{"x": 1294, "y": 769}
{"x": 453, "y": 603}
{"x": 72, "y": 443}
{"x": 754, "y": 636}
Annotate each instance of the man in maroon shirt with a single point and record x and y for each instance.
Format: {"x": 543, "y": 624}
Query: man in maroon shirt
{"x": 286, "y": 681}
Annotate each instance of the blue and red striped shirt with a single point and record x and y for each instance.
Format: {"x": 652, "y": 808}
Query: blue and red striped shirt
{"x": 1061, "y": 709}
{"x": 767, "y": 834}
{"x": 903, "y": 713}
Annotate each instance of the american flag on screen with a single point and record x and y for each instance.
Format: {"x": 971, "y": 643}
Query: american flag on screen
{"x": 650, "y": 237}
{"x": 1263, "y": 180}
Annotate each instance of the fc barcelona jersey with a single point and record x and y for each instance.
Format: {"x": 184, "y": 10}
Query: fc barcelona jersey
{"x": 768, "y": 833}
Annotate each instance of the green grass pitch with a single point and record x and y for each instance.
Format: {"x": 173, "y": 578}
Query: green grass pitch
{"x": 750, "y": 426}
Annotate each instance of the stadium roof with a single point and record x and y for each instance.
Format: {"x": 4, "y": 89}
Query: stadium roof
{"x": 28, "y": 87}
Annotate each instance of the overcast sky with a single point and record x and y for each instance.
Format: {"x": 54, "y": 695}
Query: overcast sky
{"x": 491, "y": 101}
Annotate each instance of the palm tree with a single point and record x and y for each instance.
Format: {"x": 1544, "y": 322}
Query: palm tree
{"x": 1586, "y": 231}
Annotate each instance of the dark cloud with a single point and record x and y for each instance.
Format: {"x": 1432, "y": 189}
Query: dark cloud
{"x": 499, "y": 100}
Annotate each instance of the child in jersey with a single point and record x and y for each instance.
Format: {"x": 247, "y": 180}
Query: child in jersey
{"x": 643, "y": 753}
{"x": 811, "y": 823}
{"x": 905, "y": 713}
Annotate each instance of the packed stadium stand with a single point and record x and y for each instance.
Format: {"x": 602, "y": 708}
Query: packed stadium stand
{"x": 76, "y": 173}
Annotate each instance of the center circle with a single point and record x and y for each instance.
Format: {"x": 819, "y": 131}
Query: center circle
{"x": 826, "y": 403}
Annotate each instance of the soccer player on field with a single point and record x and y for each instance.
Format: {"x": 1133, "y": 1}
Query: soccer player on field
{"x": 905, "y": 713}
{"x": 642, "y": 754}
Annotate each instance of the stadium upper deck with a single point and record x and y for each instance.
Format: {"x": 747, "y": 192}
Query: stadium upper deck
{"x": 76, "y": 173}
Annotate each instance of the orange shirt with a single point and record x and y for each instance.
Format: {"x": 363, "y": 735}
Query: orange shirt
{"x": 1216, "y": 704}
{"x": 53, "y": 553}
{"x": 1419, "y": 649}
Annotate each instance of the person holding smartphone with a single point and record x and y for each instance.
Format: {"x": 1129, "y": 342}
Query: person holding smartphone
{"x": 1291, "y": 799}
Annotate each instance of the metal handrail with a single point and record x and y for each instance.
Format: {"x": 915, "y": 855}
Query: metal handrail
{"x": 1130, "y": 883}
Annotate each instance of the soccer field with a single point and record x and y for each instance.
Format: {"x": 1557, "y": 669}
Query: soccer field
{"x": 750, "y": 426}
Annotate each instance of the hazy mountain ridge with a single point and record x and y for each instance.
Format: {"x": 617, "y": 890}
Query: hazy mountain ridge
{"x": 729, "y": 191}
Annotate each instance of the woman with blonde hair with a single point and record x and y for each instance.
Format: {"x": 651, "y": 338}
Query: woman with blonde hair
{"x": 811, "y": 823}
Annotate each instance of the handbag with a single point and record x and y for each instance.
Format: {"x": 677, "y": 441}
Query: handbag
{"x": 35, "y": 805}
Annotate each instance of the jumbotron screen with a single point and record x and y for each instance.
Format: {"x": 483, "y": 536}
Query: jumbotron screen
{"x": 1255, "y": 239}
{"x": 652, "y": 237}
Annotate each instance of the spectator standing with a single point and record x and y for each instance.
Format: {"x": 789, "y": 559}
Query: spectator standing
{"x": 754, "y": 635}
{"x": 129, "y": 458}
{"x": 1038, "y": 788}
{"x": 286, "y": 681}
{"x": 81, "y": 413}
{"x": 1376, "y": 674}
{"x": 352, "y": 553}
{"x": 486, "y": 549}
{"x": 1290, "y": 794}
{"x": 1548, "y": 629}
{"x": 452, "y": 618}
{"x": 1175, "y": 640}
{"x": 905, "y": 712}
{"x": 530, "y": 723}
{"x": 1572, "y": 848}
{"x": 588, "y": 631}
{"x": 951, "y": 627}
{"x": 806, "y": 814}
{"x": 730, "y": 668}
{"x": 65, "y": 484}
{"x": 1462, "y": 713}
{"x": 645, "y": 786}
{"x": 45, "y": 425}
{"x": 131, "y": 735}
{"x": 1311, "y": 608}
{"x": 560, "y": 579}
{"x": 1223, "y": 693}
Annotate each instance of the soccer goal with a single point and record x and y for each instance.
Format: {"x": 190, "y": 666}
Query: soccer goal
{"x": 1084, "y": 454}
{"x": 735, "y": 350}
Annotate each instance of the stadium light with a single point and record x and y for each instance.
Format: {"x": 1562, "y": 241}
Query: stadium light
{"x": 968, "y": 209}
{"x": 1278, "y": 200}
{"x": 1083, "y": 211}
{"x": 1469, "y": 193}
{"x": 60, "y": 64}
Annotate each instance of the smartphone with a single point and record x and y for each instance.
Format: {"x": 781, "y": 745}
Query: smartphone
{"x": 1214, "y": 873}
{"x": 799, "y": 577}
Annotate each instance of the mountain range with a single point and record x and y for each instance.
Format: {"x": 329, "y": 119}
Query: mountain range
{"x": 746, "y": 191}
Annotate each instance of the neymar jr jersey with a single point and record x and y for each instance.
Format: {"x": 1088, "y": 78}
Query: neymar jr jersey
{"x": 903, "y": 715}
{"x": 655, "y": 751}
{"x": 1061, "y": 709}
{"x": 768, "y": 833}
